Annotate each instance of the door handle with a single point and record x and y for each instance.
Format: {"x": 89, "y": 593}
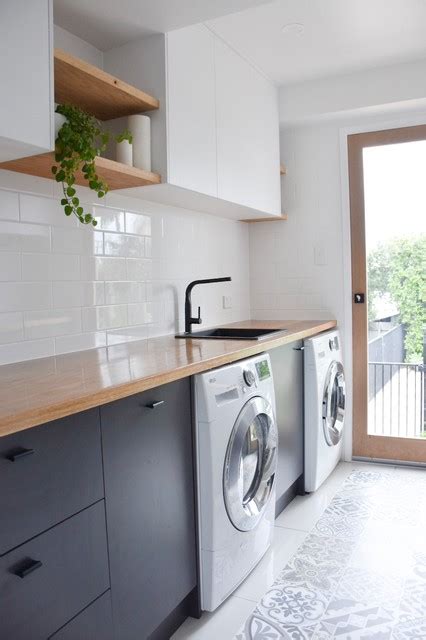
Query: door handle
{"x": 18, "y": 454}
{"x": 359, "y": 298}
{"x": 154, "y": 405}
{"x": 27, "y": 567}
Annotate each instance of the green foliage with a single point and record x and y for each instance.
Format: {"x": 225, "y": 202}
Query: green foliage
{"x": 399, "y": 269}
{"x": 79, "y": 141}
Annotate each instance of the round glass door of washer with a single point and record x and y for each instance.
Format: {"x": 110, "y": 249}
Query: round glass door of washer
{"x": 333, "y": 404}
{"x": 250, "y": 464}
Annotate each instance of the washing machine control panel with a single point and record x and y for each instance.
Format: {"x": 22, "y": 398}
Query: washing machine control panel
{"x": 249, "y": 377}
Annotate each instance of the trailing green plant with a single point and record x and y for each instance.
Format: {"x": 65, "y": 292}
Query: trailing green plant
{"x": 80, "y": 139}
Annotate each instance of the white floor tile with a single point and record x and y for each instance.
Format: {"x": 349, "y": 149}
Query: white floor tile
{"x": 222, "y": 624}
{"x": 285, "y": 544}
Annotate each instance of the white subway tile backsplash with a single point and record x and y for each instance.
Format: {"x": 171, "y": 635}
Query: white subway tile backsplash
{"x": 23, "y": 296}
{"x": 11, "y": 327}
{"x": 138, "y": 223}
{"x": 139, "y": 269}
{"x": 16, "y": 236}
{"x": 45, "y": 211}
{"x": 109, "y": 219}
{"x": 103, "y": 268}
{"x": 9, "y": 205}
{"x": 66, "y": 287}
{"x": 26, "y": 350}
{"x": 51, "y": 323}
{"x": 108, "y": 317}
{"x": 83, "y": 241}
{"x": 122, "y": 292}
{"x": 140, "y": 313}
{"x": 80, "y": 342}
{"x": 78, "y": 294}
{"x": 119, "y": 244}
{"x": 10, "y": 266}
{"x": 128, "y": 334}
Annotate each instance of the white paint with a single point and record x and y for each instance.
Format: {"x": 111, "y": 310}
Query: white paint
{"x": 26, "y": 104}
{"x": 338, "y": 37}
{"x": 365, "y": 93}
{"x": 66, "y": 288}
{"x": 77, "y": 47}
{"x": 285, "y": 281}
{"x": 110, "y": 24}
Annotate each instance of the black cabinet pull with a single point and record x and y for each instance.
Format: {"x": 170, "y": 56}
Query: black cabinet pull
{"x": 18, "y": 454}
{"x": 27, "y": 567}
{"x": 154, "y": 405}
{"x": 298, "y": 348}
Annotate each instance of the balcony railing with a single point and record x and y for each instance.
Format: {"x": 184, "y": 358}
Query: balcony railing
{"x": 396, "y": 400}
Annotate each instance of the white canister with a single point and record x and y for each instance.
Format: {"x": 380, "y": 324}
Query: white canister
{"x": 59, "y": 120}
{"x": 140, "y": 128}
{"x": 124, "y": 152}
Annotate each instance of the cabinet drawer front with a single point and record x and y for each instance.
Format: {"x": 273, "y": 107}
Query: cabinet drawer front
{"x": 47, "y": 581}
{"x": 94, "y": 623}
{"x": 47, "y": 474}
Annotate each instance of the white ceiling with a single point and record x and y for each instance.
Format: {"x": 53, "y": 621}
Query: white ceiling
{"x": 340, "y": 36}
{"x": 109, "y": 23}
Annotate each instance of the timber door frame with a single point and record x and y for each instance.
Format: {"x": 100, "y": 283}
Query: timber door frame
{"x": 365, "y": 445}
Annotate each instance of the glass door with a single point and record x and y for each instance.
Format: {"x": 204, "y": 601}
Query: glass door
{"x": 388, "y": 222}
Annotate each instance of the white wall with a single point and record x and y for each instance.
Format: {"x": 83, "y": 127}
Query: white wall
{"x": 67, "y": 288}
{"x": 77, "y": 47}
{"x": 286, "y": 278}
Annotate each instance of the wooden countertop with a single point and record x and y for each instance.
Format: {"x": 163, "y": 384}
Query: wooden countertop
{"x": 37, "y": 391}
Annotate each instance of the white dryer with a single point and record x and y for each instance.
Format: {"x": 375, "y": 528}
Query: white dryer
{"x": 236, "y": 454}
{"x": 325, "y": 400}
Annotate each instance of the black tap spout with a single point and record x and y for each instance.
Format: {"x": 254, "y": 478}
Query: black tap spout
{"x": 189, "y": 320}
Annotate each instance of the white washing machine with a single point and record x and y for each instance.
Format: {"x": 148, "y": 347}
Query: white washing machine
{"x": 236, "y": 444}
{"x": 325, "y": 399}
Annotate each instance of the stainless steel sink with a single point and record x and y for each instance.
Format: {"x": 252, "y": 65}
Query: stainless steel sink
{"x": 224, "y": 333}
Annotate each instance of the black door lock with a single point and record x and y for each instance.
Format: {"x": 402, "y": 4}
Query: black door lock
{"x": 359, "y": 298}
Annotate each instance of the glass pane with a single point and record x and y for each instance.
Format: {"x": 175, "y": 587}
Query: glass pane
{"x": 250, "y": 462}
{"x": 395, "y": 228}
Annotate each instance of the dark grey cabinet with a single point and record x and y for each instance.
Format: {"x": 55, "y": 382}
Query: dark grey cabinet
{"x": 287, "y": 369}
{"x": 94, "y": 623}
{"x": 149, "y": 492}
{"x": 50, "y": 579}
{"x": 47, "y": 474}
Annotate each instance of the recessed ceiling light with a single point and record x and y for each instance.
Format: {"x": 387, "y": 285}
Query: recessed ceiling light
{"x": 293, "y": 28}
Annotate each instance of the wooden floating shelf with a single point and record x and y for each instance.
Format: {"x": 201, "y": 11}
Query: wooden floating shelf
{"x": 271, "y": 219}
{"x": 99, "y": 93}
{"x": 116, "y": 174}
{"x": 283, "y": 170}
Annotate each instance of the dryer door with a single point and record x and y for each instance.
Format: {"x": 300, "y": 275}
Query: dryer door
{"x": 333, "y": 404}
{"x": 250, "y": 464}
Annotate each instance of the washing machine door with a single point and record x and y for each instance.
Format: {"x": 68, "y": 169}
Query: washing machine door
{"x": 250, "y": 464}
{"x": 334, "y": 399}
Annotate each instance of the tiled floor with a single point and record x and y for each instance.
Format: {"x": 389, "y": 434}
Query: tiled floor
{"x": 292, "y": 528}
{"x": 349, "y": 562}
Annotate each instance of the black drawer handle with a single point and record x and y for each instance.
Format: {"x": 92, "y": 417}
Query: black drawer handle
{"x": 27, "y": 567}
{"x": 18, "y": 454}
{"x": 154, "y": 405}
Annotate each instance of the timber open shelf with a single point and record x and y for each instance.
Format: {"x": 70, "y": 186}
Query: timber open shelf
{"x": 281, "y": 218}
{"x": 116, "y": 174}
{"x": 99, "y": 93}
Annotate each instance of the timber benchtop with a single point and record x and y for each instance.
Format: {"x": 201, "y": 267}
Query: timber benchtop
{"x": 38, "y": 391}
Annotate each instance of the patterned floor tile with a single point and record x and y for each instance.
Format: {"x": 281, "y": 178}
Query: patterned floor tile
{"x": 361, "y": 573}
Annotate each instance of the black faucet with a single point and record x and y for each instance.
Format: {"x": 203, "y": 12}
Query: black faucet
{"x": 189, "y": 320}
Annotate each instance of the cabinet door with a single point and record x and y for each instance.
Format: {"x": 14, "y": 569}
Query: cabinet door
{"x": 247, "y": 134}
{"x": 94, "y": 623}
{"x": 26, "y": 75}
{"x": 191, "y": 110}
{"x": 150, "y": 506}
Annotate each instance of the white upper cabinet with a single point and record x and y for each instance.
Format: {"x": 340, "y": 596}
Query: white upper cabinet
{"x": 248, "y": 157}
{"x": 191, "y": 111}
{"x": 215, "y": 137}
{"x": 26, "y": 64}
